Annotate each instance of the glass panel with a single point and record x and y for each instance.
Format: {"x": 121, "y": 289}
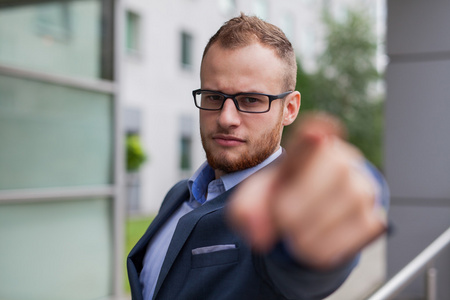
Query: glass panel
{"x": 186, "y": 50}
{"x": 53, "y": 136}
{"x": 57, "y": 37}
{"x": 185, "y": 153}
{"x": 186, "y": 128}
{"x": 132, "y": 32}
{"x": 56, "y": 250}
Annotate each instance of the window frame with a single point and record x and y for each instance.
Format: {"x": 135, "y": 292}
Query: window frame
{"x": 110, "y": 42}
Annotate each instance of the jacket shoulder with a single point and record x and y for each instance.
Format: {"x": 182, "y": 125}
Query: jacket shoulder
{"x": 176, "y": 192}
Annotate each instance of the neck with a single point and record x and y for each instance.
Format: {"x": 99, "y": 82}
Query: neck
{"x": 219, "y": 173}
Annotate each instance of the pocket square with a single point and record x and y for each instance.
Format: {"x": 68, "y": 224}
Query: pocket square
{"x": 210, "y": 249}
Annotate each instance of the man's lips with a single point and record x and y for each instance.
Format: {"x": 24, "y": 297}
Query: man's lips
{"x": 227, "y": 140}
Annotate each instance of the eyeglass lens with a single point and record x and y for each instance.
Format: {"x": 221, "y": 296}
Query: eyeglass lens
{"x": 245, "y": 102}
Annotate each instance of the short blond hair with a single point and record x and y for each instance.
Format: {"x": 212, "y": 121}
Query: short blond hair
{"x": 244, "y": 30}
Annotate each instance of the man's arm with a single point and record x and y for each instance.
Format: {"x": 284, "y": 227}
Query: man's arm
{"x": 321, "y": 202}
{"x": 297, "y": 280}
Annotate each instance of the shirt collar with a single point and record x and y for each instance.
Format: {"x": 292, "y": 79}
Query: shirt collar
{"x": 198, "y": 184}
{"x": 232, "y": 179}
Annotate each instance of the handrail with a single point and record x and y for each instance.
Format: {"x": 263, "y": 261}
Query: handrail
{"x": 411, "y": 270}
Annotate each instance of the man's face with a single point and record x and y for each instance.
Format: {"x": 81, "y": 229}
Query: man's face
{"x": 235, "y": 140}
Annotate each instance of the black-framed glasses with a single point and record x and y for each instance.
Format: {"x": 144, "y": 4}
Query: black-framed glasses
{"x": 244, "y": 102}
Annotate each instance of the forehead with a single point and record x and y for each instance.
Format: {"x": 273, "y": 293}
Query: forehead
{"x": 251, "y": 68}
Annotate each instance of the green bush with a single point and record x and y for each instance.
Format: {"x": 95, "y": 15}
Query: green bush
{"x": 135, "y": 153}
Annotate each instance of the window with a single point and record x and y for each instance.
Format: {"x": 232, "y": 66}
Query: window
{"x": 56, "y": 241}
{"x": 60, "y": 38}
{"x": 53, "y": 136}
{"x": 58, "y": 177}
{"x": 185, "y": 157}
{"x": 132, "y": 32}
{"x": 186, "y": 130}
{"x": 53, "y": 21}
{"x": 186, "y": 50}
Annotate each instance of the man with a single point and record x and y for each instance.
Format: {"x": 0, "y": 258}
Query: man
{"x": 292, "y": 230}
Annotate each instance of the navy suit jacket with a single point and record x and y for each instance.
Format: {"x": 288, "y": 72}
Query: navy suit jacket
{"x": 235, "y": 273}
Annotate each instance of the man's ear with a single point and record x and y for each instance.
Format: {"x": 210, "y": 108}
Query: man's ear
{"x": 291, "y": 107}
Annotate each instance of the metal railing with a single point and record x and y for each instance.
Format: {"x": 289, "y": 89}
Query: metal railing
{"x": 423, "y": 261}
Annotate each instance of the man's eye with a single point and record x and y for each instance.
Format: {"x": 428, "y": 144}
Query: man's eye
{"x": 214, "y": 98}
{"x": 250, "y": 100}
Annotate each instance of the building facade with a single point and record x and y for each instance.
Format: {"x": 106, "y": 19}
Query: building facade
{"x": 161, "y": 63}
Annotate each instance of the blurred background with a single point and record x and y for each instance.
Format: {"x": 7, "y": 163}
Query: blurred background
{"x": 97, "y": 122}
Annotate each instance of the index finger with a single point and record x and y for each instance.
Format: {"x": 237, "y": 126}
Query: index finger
{"x": 312, "y": 130}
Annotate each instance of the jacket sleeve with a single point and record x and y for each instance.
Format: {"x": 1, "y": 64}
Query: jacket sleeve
{"x": 295, "y": 280}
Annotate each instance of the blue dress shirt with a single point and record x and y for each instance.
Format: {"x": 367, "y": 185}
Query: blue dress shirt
{"x": 200, "y": 184}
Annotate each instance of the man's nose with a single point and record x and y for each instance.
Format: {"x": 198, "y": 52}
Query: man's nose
{"x": 229, "y": 115}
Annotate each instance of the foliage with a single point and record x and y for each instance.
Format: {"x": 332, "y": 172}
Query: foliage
{"x": 341, "y": 85}
{"x": 135, "y": 153}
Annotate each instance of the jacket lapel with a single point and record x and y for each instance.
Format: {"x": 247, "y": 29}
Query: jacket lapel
{"x": 171, "y": 203}
{"x": 184, "y": 228}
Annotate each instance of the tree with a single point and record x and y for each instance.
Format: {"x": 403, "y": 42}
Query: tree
{"x": 341, "y": 85}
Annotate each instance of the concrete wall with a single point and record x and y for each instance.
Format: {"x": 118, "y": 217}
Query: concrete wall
{"x": 417, "y": 136}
